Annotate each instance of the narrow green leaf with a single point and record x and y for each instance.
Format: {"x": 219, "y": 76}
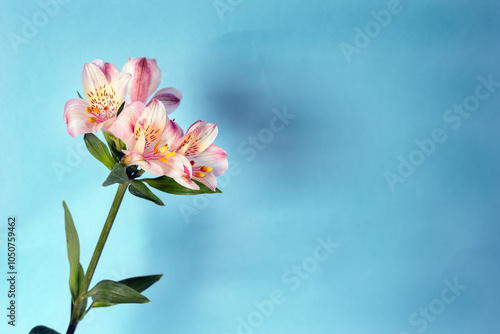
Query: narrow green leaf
{"x": 120, "y": 109}
{"x": 168, "y": 185}
{"x": 42, "y": 330}
{"x": 117, "y": 175}
{"x": 112, "y": 292}
{"x": 139, "y": 284}
{"x": 99, "y": 150}
{"x": 73, "y": 245}
{"x": 79, "y": 95}
{"x": 139, "y": 189}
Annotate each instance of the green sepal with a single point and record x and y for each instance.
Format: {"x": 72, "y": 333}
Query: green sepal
{"x": 112, "y": 292}
{"x": 99, "y": 150}
{"x": 79, "y": 95}
{"x": 42, "y": 330}
{"x": 168, "y": 185}
{"x": 117, "y": 175}
{"x": 73, "y": 245}
{"x": 120, "y": 109}
{"x": 116, "y": 145}
{"x": 139, "y": 284}
{"x": 139, "y": 189}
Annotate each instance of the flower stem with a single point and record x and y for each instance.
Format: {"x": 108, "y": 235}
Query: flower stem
{"x": 75, "y": 314}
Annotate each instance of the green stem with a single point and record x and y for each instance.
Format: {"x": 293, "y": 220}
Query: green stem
{"x": 95, "y": 257}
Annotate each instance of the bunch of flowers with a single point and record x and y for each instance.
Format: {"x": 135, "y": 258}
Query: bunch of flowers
{"x": 140, "y": 138}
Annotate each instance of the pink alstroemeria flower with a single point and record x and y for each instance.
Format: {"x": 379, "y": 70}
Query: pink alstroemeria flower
{"x": 206, "y": 160}
{"x": 149, "y": 136}
{"x": 104, "y": 87}
{"x": 146, "y": 77}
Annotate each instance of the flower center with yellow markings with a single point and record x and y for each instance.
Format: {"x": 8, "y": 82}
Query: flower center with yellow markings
{"x": 103, "y": 104}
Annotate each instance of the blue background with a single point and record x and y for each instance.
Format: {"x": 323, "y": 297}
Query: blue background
{"x": 323, "y": 175}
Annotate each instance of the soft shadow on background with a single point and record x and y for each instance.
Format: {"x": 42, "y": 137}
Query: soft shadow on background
{"x": 340, "y": 212}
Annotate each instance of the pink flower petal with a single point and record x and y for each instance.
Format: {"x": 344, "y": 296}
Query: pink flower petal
{"x": 154, "y": 117}
{"x": 123, "y": 127}
{"x": 198, "y": 137}
{"x": 170, "y": 97}
{"x": 108, "y": 69}
{"x": 213, "y": 157}
{"x": 171, "y": 134}
{"x": 76, "y": 117}
{"x": 186, "y": 183}
{"x": 209, "y": 180}
{"x": 173, "y": 167}
{"x": 92, "y": 79}
{"x": 119, "y": 83}
{"x": 146, "y": 76}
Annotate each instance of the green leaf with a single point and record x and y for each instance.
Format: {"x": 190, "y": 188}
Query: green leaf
{"x": 79, "y": 95}
{"x": 81, "y": 275}
{"x": 120, "y": 109}
{"x": 168, "y": 185}
{"x": 73, "y": 245}
{"x": 139, "y": 284}
{"x": 42, "y": 330}
{"x": 139, "y": 189}
{"x": 112, "y": 292}
{"x": 99, "y": 150}
{"x": 117, "y": 175}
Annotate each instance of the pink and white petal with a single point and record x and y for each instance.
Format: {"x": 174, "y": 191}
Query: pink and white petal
{"x": 154, "y": 117}
{"x": 108, "y": 69}
{"x": 146, "y": 77}
{"x": 140, "y": 142}
{"x": 213, "y": 157}
{"x": 182, "y": 144}
{"x": 173, "y": 167}
{"x": 171, "y": 134}
{"x": 119, "y": 83}
{"x": 92, "y": 79}
{"x": 209, "y": 180}
{"x": 76, "y": 117}
{"x": 186, "y": 183}
{"x": 206, "y": 133}
{"x": 131, "y": 158}
{"x": 153, "y": 168}
{"x": 170, "y": 97}
{"x": 106, "y": 124}
{"x": 123, "y": 127}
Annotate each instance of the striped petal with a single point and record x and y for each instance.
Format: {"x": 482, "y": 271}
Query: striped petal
{"x": 146, "y": 76}
{"x": 109, "y": 70}
{"x": 92, "y": 79}
{"x": 170, "y": 97}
